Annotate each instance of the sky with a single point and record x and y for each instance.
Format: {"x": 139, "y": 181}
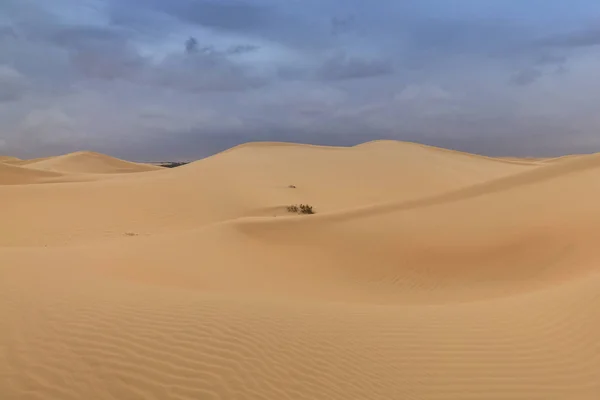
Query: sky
{"x": 155, "y": 80}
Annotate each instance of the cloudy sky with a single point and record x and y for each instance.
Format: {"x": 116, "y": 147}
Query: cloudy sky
{"x": 181, "y": 79}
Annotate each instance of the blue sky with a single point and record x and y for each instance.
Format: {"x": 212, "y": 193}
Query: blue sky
{"x": 123, "y": 77}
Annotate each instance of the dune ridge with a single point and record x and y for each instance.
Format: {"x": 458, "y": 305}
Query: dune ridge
{"x": 425, "y": 274}
{"x": 89, "y": 162}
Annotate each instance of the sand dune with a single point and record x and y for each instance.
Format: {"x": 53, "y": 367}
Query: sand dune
{"x": 16, "y": 175}
{"x": 425, "y": 274}
{"x": 89, "y": 162}
{"x": 249, "y": 180}
{"x": 9, "y": 159}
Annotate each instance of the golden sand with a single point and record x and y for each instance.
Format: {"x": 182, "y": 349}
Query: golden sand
{"x": 424, "y": 274}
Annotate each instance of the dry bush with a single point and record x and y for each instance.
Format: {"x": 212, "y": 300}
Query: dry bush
{"x": 301, "y": 209}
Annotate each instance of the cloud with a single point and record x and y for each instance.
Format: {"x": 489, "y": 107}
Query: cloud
{"x": 116, "y": 75}
{"x": 242, "y": 49}
{"x": 342, "y": 66}
{"x": 226, "y": 15}
{"x": 292, "y": 24}
{"x": 551, "y": 59}
{"x": 13, "y": 84}
{"x": 526, "y": 76}
{"x": 413, "y": 93}
{"x": 49, "y": 127}
{"x": 200, "y": 71}
{"x": 7, "y": 32}
{"x": 582, "y": 38}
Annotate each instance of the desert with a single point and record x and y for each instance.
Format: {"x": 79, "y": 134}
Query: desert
{"x": 424, "y": 273}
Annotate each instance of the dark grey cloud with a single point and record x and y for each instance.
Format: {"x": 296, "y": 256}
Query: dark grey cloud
{"x": 117, "y": 76}
{"x": 191, "y": 45}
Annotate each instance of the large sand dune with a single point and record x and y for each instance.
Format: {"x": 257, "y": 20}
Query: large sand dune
{"x": 424, "y": 274}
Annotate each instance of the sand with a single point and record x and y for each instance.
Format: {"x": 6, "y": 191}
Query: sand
{"x": 88, "y": 162}
{"x": 424, "y": 274}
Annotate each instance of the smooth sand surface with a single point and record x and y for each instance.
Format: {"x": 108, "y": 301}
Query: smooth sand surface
{"x": 424, "y": 274}
{"x": 88, "y": 162}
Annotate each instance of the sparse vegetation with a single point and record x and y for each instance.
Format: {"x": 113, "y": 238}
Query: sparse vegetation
{"x": 292, "y": 187}
{"x": 301, "y": 209}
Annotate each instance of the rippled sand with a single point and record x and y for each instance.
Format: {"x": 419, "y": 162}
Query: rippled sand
{"x": 424, "y": 274}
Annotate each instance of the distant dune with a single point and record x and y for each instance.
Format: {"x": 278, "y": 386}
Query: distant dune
{"x": 89, "y": 162}
{"x": 424, "y": 274}
{"x": 16, "y": 175}
{"x": 9, "y": 159}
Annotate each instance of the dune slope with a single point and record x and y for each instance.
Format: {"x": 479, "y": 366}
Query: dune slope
{"x": 425, "y": 274}
{"x": 9, "y": 159}
{"x": 250, "y": 180}
{"x": 16, "y": 175}
{"x": 89, "y": 162}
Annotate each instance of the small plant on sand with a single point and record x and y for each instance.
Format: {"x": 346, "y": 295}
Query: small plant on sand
{"x": 306, "y": 209}
{"x": 301, "y": 209}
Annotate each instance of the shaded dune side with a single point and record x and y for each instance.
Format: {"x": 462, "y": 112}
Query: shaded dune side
{"x": 90, "y": 162}
{"x": 247, "y": 181}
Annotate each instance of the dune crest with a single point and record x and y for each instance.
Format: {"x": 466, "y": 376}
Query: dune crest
{"x": 425, "y": 274}
{"x": 89, "y": 162}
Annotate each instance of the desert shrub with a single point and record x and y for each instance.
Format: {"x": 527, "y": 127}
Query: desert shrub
{"x": 306, "y": 209}
{"x": 301, "y": 209}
